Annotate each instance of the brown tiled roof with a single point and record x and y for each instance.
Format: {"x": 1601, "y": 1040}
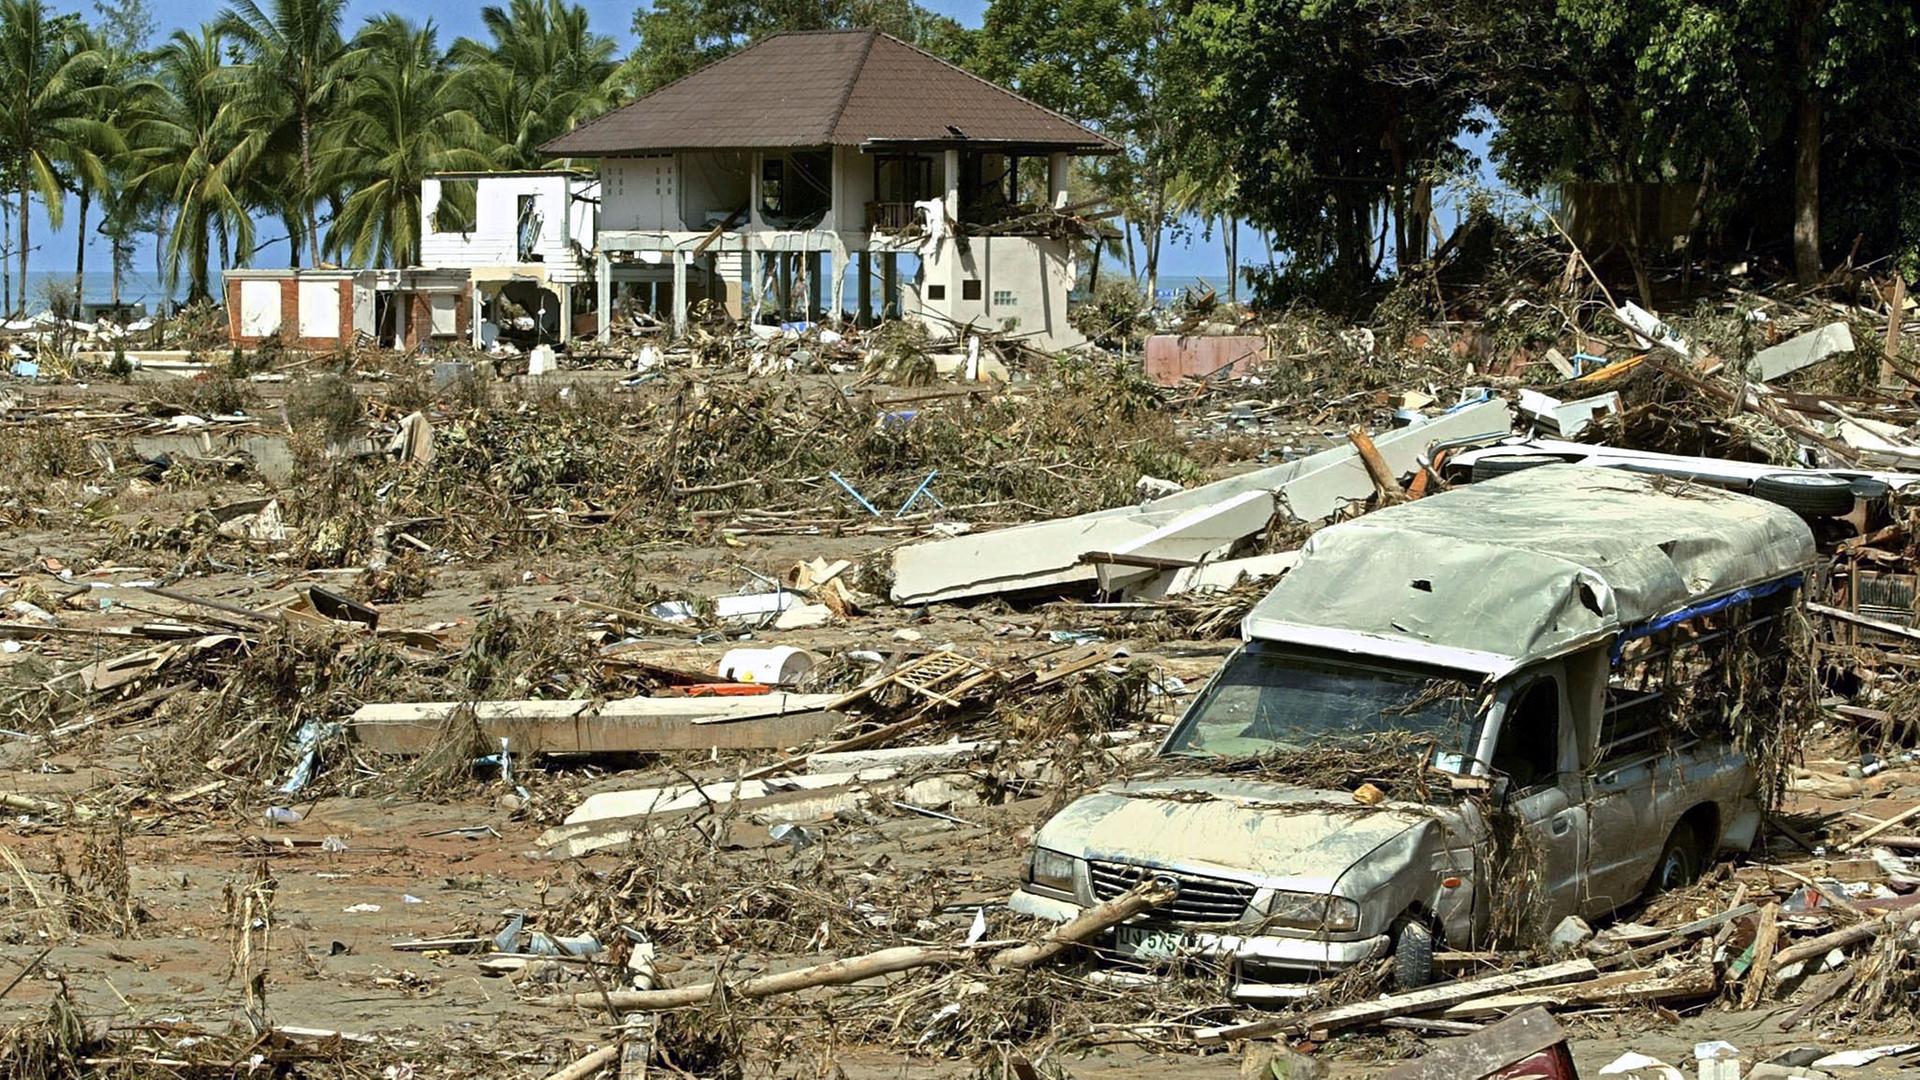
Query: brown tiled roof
{"x": 820, "y": 88}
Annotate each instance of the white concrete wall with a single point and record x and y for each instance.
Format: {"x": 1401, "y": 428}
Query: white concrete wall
{"x": 320, "y": 309}
{"x": 443, "y": 306}
{"x": 853, "y": 188}
{"x": 639, "y": 193}
{"x": 713, "y": 186}
{"x": 1021, "y": 282}
{"x": 363, "y": 291}
{"x": 494, "y": 240}
{"x": 259, "y": 308}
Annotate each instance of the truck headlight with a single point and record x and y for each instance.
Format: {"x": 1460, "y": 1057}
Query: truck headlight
{"x": 1051, "y": 869}
{"x": 1312, "y": 911}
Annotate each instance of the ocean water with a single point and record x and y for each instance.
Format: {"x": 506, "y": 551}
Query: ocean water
{"x": 136, "y": 286}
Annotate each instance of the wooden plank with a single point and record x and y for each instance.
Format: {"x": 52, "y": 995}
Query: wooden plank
{"x": 1875, "y": 830}
{"x": 1426, "y": 999}
{"x": 1881, "y": 625}
{"x": 771, "y": 721}
{"x": 1616, "y": 987}
{"x": 1487, "y": 1051}
{"x": 1820, "y": 990}
{"x": 1678, "y": 936}
{"x": 1765, "y": 940}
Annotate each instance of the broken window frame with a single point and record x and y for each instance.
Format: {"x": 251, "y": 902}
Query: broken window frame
{"x": 1709, "y": 639}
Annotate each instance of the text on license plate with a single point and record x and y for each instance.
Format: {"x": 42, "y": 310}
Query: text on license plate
{"x": 1148, "y": 942}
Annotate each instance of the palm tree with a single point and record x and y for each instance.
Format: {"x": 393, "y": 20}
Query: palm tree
{"x": 543, "y": 72}
{"x": 402, "y": 121}
{"x": 46, "y": 112}
{"x": 114, "y": 89}
{"x": 194, "y": 155}
{"x": 294, "y": 66}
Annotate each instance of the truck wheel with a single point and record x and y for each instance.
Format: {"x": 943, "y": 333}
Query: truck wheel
{"x": 1679, "y": 863}
{"x": 1812, "y": 494}
{"x": 1412, "y": 954}
{"x": 1487, "y": 468}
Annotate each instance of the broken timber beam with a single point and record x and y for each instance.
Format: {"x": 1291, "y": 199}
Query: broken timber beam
{"x": 832, "y": 973}
{"x": 1084, "y": 925}
{"x": 770, "y": 721}
{"x": 1426, "y": 999}
{"x": 1812, "y": 947}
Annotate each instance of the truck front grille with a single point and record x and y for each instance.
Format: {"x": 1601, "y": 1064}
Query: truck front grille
{"x": 1201, "y": 899}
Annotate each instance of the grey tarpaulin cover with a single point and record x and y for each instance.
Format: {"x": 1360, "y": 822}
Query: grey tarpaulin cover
{"x": 1528, "y": 565}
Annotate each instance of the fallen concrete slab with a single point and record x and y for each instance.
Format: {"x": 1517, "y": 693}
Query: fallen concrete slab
{"x": 631, "y": 725}
{"x": 1052, "y": 554}
{"x": 1802, "y": 351}
{"x": 1215, "y": 576}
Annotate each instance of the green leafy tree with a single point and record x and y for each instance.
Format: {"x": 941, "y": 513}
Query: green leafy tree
{"x": 1115, "y": 65}
{"x": 1334, "y": 119}
{"x": 679, "y": 36}
{"x": 126, "y": 29}
{"x": 402, "y": 120}
{"x": 293, "y": 53}
{"x": 48, "y": 119}
{"x": 542, "y": 71}
{"x": 195, "y": 153}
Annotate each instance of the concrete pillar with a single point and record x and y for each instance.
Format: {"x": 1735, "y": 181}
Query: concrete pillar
{"x": 817, "y": 263}
{"x": 1057, "y": 169}
{"x": 952, "y": 166}
{"x": 786, "y": 286}
{"x": 754, "y": 224}
{"x": 747, "y": 266}
{"x": 863, "y": 290}
{"x": 890, "y": 285}
{"x": 473, "y": 303}
{"x": 565, "y": 290}
{"x": 603, "y": 293}
{"x": 400, "y": 302}
{"x": 679, "y": 293}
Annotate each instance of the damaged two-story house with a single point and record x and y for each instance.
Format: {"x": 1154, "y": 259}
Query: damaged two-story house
{"x": 764, "y": 176}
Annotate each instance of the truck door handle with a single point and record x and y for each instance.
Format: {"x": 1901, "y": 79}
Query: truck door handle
{"x": 1561, "y": 826}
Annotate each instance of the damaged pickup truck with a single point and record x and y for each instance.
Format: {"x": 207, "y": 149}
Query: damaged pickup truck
{"x": 1457, "y": 720}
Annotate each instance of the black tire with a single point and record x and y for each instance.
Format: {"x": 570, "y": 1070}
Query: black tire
{"x": 1681, "y": 861}
{"x": 1487, "y": 468}
{"x": 1412, "y": 953}
{"x": 1809, "y": 494}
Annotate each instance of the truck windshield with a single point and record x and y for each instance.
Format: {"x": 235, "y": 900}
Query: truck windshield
{"x": 1266, "y": 701}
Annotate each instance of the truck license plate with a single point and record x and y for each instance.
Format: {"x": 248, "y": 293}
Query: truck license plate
{"x": 1148, "y": 942}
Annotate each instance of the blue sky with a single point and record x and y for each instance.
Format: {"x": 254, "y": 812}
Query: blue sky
{"x": 54, "y": 249}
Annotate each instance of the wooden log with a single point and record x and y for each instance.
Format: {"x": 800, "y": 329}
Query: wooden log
{"x": 1083, "y": 926}
{"x": 1618, "y": 986}
{"x": 1385, "y": 484}
{"x": 588, "y": 1065}
{"x": 1426, "y": 999}
{"x": 1820, "y": 946}
{"x": 832, "y": 973}
{"x": 1677, "y": 937}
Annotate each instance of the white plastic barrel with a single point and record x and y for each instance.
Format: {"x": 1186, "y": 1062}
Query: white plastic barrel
{"x": 780, "y": 665}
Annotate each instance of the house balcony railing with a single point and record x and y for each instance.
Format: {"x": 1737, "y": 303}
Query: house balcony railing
{"x": 891, "y": 216}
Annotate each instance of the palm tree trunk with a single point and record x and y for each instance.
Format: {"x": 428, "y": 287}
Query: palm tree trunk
{"x": 306, "y": 186}
{"x": 80, "y": 249}
{"x": 119, "y": 255}
{"x": 26, "y": 193}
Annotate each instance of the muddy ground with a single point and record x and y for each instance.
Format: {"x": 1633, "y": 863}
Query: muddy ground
{"x": 366, "y": 868}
